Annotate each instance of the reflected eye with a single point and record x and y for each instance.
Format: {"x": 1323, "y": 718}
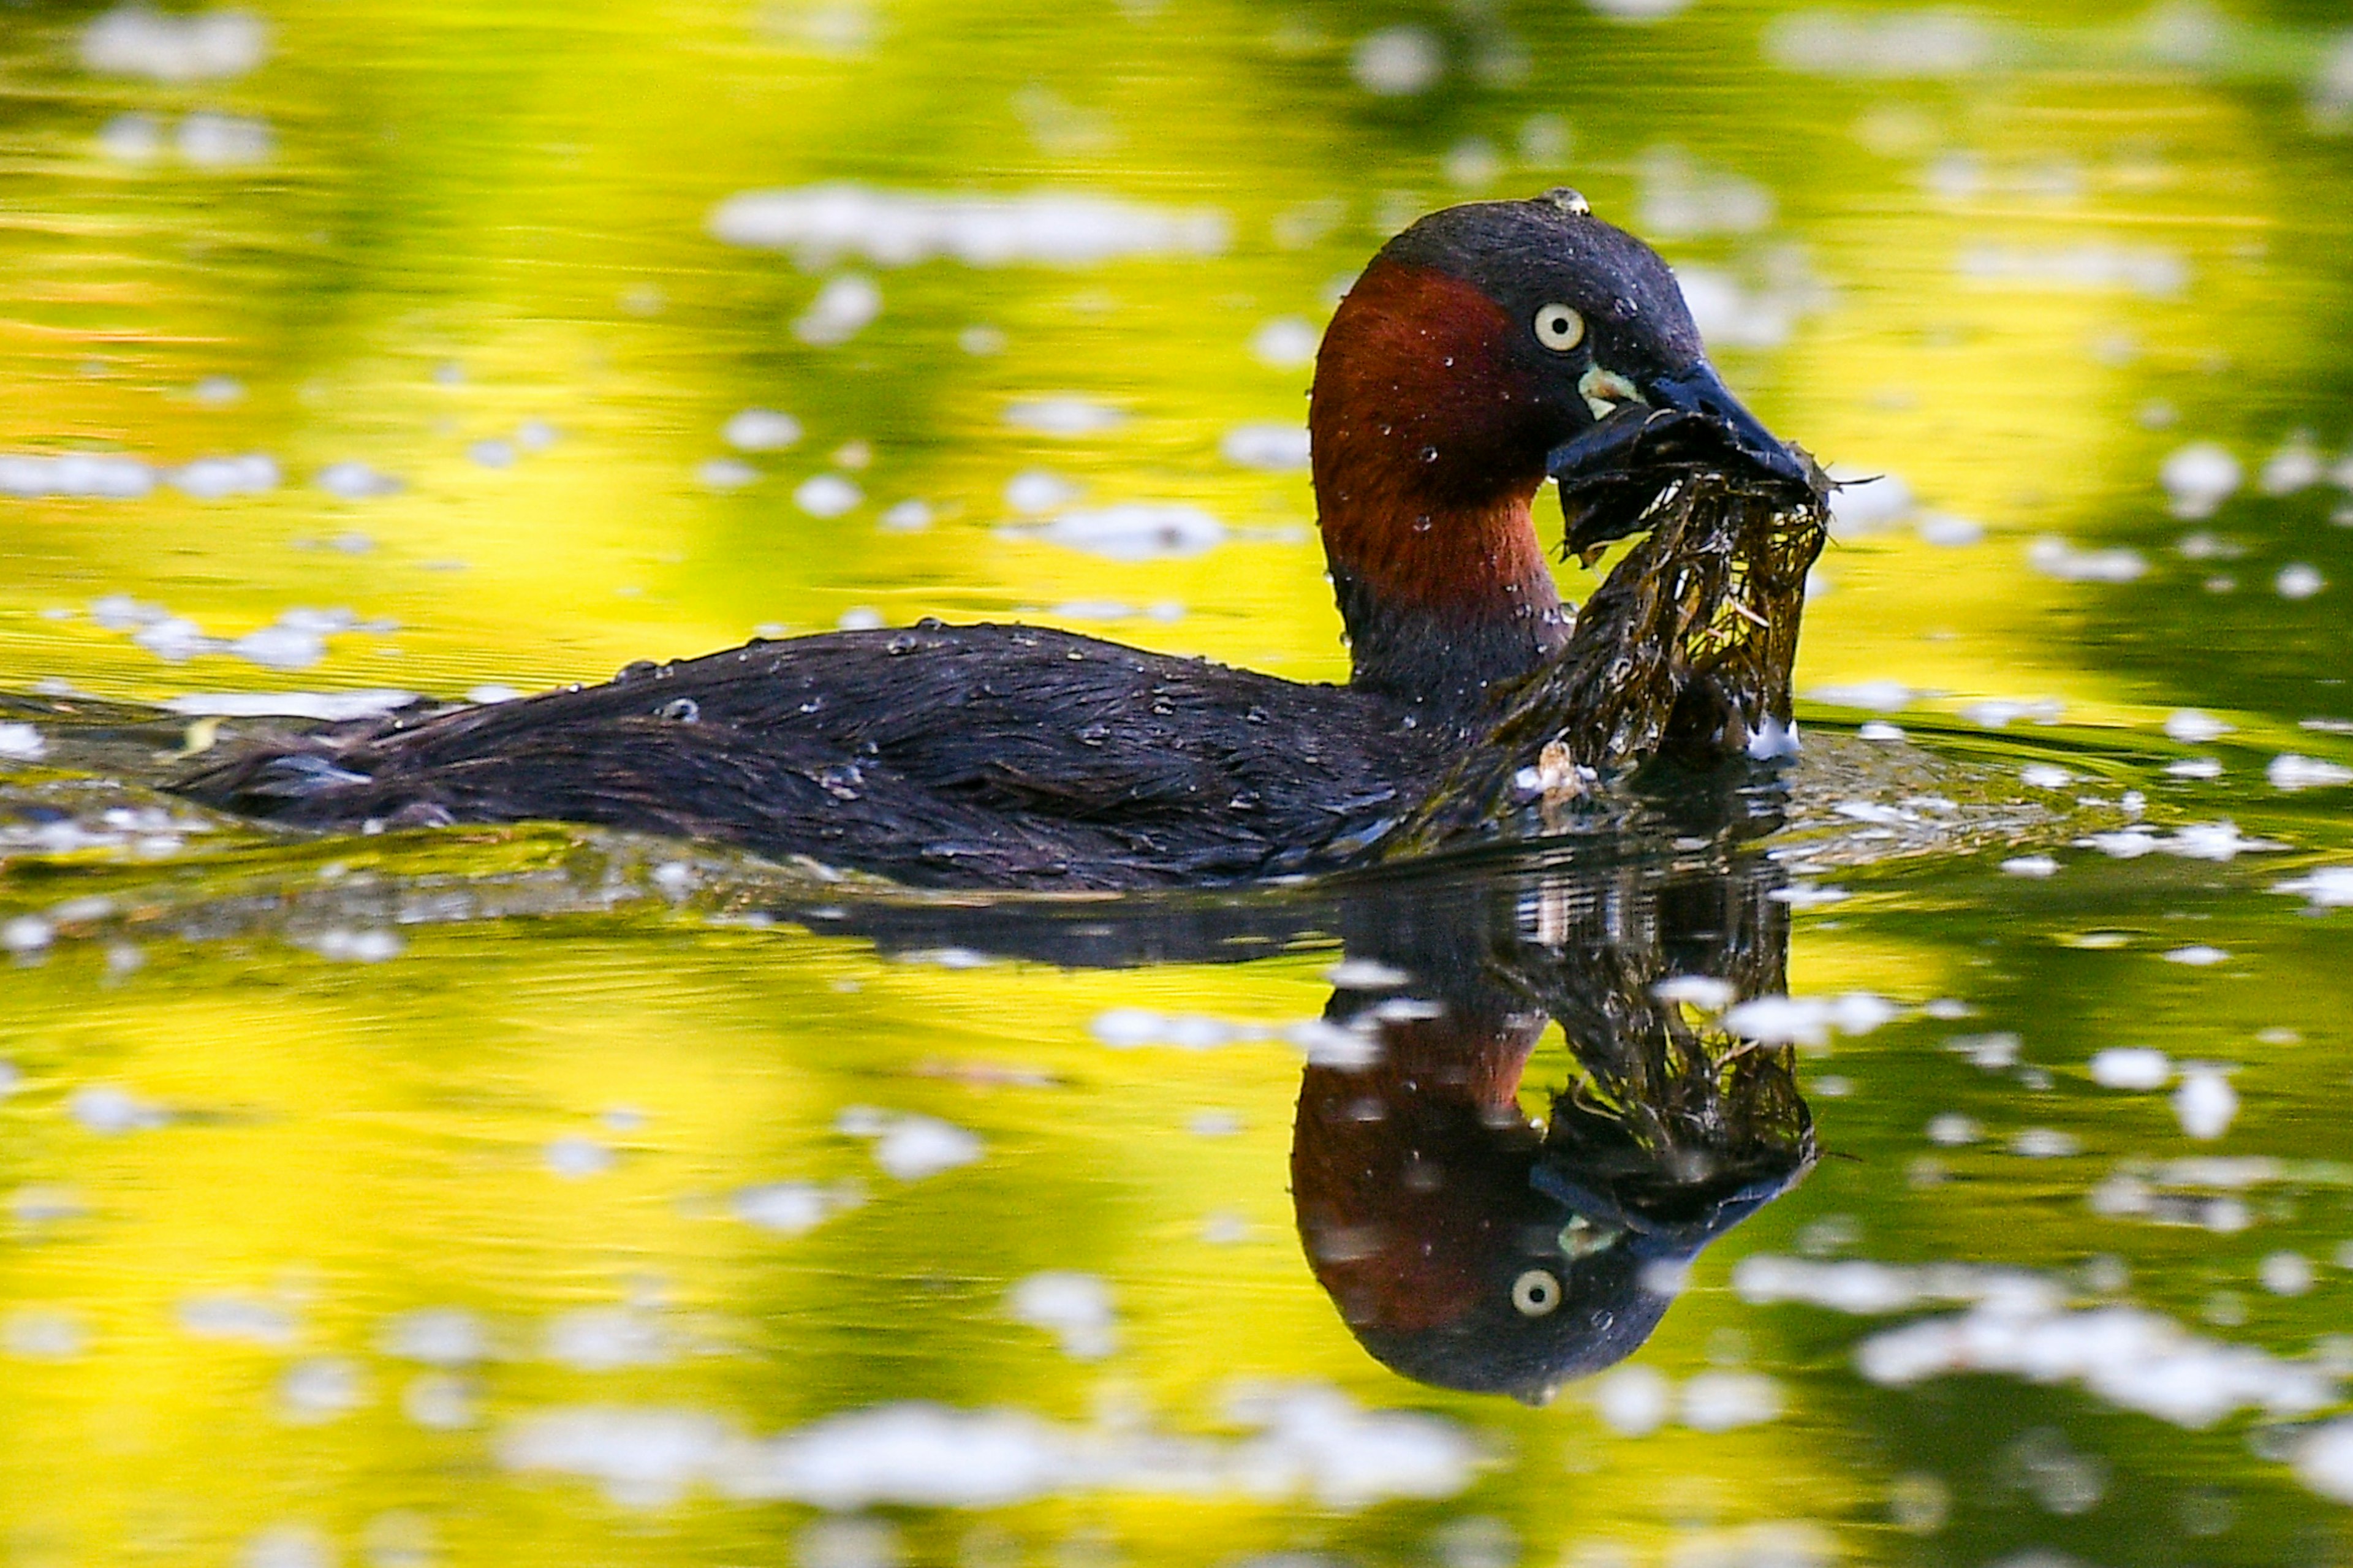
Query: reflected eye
{"x": 1559, "y": 329}
{"x": 1536, "y": 1293}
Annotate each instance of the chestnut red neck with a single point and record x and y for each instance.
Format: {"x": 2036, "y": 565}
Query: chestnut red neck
{"x": 1427, "y": 440}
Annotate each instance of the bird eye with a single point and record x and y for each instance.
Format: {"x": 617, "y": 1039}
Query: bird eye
{"x": 1559, "y": 329}
{"x": 1536, "y": 1293}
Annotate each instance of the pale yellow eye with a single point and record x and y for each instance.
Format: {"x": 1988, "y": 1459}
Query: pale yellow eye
{"x": 1559, "y": 329}
{"x": 1536, "y": 1293}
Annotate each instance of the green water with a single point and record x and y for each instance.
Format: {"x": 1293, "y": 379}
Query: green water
{"x": 527, "y": 1196}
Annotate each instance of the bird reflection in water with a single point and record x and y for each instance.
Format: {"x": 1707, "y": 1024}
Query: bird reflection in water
{"x": 1468, "y": 1246}
{"x": 1464, "y": 1244}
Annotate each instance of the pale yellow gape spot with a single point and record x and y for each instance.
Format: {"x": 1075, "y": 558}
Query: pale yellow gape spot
{"x": 1604, "y": 390}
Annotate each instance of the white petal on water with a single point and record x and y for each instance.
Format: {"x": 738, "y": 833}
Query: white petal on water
{"x": 1349, "y": 1048}
{"x": 2055, "y": 557}
{"x": 280, "y": 647}
{"x": 1678, "y": 198}
{"x": 761, "y": 430}
{"x": 725, "y": 473}
{"x": 439, "y": 1401}
{"x": 1861, "y": 1287}
{"x": 827, "y": 495}
{"x": 2031, "y": 866}
{"x": 214, "y": 141}
{"x": 1994, "y": 1051}
{"x": 2130, "y": 1358}
{"x": 2194, "y": 728}
{"x": 1874, "y": 696}
{"x": 792, "y": 1208}
{"x": 1135, "y": 531}
{"x": 1703, "y": 992}
{"x": 436, "y": 1336}
{"x": 2126, "y": 844}
{"x": 493, "y": 452}
{"x": 1275, "y": 449}
{"x": 341, "y": 945}
{"x": 83, "y": 474}
{"x": 131, "y": 138}
{"x": 1722, "y": 1401}
{"x": 1075, "y": 1308}
{"x": 2290, "y": 772}
{"x": 2287, "y": 1274}
{"x": 2328, "y": 886}
{"x": 235, "y": 1317}
{"x": 287, "y": 1546}
{"x": 321, "y": 1389}
{"x": 2131, "y": 1067}
{"x": 2205, "y": 1104}
{"x": 2044, "y": 775}
{"x": 1892, "y": 46}
{"x": 210, "y": 479}
{"x": 574, "y": 1156}
{"x": 844, "y": 307}
{"x": 910, "y": 516}
{"x": 2200, "y": 477}
{"x": 332, "y": 706}
{"x": 107, "y": 1109}
{"x": 2297, "y": 466}
{"x": 1632, "y": 1401}
{"x": 1867, "y": 501}
{"x": 2324, "y": 1460}
{"x": 1948, "y": 531}
{"x": 42, "y": 1334}
{"x": 1807, "y": 1020}
{"x": 1951, "y": 1129}
{"x": 1397, "y": 62}
{"x": 1034, "y": 492}
{"x": 2298, "y": 580}
{"x": 896, "y": 228}
{"x": 1638, "y": 10}
{"x": 1473, "y": 164}
{"x": 1729, "y": 315}
{"x": 21, "y": 743}
{"x": 1287, "y": 343}
{"x": 1303, "y": 1441}
{"x": 911, "y": 1147}
{"x": 2150, "y": 271}
{"x": 2198, "y": 955}
{"x": 355, "y": 480}
{"x": 606, "y": 1339}
{"x": 211, "y": 46}
{"x": 2000, "y": 712}
{"x": 1068, "y": 415}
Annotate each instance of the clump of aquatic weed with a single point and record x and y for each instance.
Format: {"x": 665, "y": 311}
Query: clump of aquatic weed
{"x": 1684, "y": 653}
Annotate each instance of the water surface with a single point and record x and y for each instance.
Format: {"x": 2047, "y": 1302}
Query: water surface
{"x": 536, "y": 1196}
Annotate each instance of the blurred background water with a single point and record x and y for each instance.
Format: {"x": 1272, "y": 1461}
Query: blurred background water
{"x": 533, "y": 1196}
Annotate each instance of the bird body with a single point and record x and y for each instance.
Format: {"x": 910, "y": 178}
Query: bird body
{"x": 1484, "y": 348}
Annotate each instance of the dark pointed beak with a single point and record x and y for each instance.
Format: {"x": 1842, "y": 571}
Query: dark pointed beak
{"x": 1700, "y": 391}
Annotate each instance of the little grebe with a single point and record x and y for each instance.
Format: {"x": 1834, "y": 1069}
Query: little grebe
{"x": 1487, "y": 347}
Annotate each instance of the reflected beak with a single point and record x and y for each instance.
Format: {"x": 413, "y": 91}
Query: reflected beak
{"x": 1700, "y": 391}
